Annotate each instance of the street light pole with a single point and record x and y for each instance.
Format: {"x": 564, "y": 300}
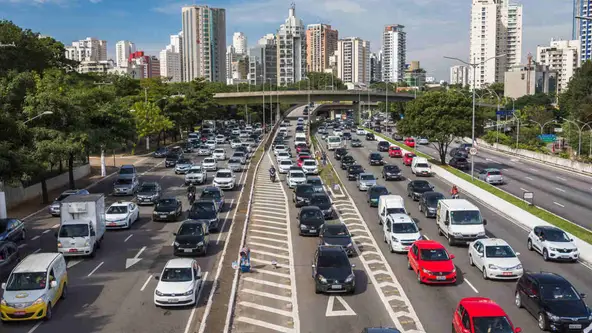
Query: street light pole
{"x": 580, "y": 130}
{"x": 270, "y": 102}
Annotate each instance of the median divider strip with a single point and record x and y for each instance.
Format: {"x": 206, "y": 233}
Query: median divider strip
{"x": 508, "y": 205}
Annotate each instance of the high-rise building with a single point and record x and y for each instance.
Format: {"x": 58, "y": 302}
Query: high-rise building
{"x": 459, "y": 75}
{"x": 123, "y": 49}
{"x": 394, "y": 52}
{"x": 237, "y": 66}
{"x": 267, "y": 39}
{"x": 353, "y": 60}
{"x": 204, "y": 43}
{"x": 170, "y": 60}
{"x": 375, "y": 67}
{"x": 89, "y": 49}
{"x": 291, "y": 49}
{"x": 321, "y": 43}
{"x": 583, "y": 28}
{"x": 561, "y": 56}
{"x": 148, "y": 65}
{"x": 239, "y": 41}
{"x": 263, "y": 61}
{"x": 496, "y": 30}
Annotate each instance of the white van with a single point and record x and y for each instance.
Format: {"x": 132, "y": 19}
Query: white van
{"x": 82, "y": 225}
{"x": 334, "y": 142}
{"x": 420, "y": 166}
{"x": 459, "y": 221}
{"x": 400, "y": 231}
{"x": 37, "y": 283}
{"x": 300, "y": 135}
{"x": 390, "y": 204}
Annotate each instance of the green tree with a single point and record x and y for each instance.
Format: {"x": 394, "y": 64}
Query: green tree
{"x": 320, "y": 81}
{"x": 498, "y": 88}
{"x": 439, "y": 116}
{"x": 150, "y": 120}
{"x": 576, "y": 101}
{"x": 537, "y": 114}
{"x": 538, "y": 99}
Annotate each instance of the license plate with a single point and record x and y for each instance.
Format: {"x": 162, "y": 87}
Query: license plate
{"x": 163, "y": 216}
{"x": 73, "y": 250}
{"x": 507, "y": 273}
{"x": 22, "y": 313}
{"x": 111, "y": 224}
{"x": 564, "y": 256}
{"x": 336, "y": 286}
{"x": 173, "y": 300}
{"x": 147, "y": 200}
{"x": 440, "y": 278}
{"x": 575, "y": 326}
{"x": 406, "y": 248}
{"x": 312, "y": 231}
{"x": 188, "y": 250}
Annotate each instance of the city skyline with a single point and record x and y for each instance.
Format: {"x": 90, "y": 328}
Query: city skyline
{"x": 431, "y": 31}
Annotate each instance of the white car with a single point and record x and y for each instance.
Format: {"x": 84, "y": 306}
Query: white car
{"x": 423, "y": 141}
{"x": 204, "y": 150}
{"x": 400, "y": 231}
{"x": 283, "y": 156}
{"x": 196, "y": 175}
{"x": 211, "y": 144}
{"x": 235, "y": 143}
{"x": 240, "y": 155}
{"x": 179, "y": 283}
{"x": 553, "y": 243}
{"x": 280, "y": 149}
{"x": 219, "y": 154}
{"x": 360, "y": 131}
{"x": 243, "y": 134}
{"x": 495, "y": 258}
{"x": 121, "y": 215}
{"x": 295, "y": 178}
{"x": 284, "y": 166}
{"x": 220, "y": 139}
{"x": 182, "y": 166}
{"x": 210, "y": 164}
{"x": 235, "y": 164}
{"x": 235, "y": 131}
{"x": 224, "y": 179}
{"x": 310, "y": 167}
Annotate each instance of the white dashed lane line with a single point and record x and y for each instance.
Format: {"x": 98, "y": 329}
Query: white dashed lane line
{"x": 560, "y": 189}
{"x": 558, "y": 204}
{"x": 524, "y": 190}
{"x": 471, "y": 285}
{"x": 561, "y": 178}
{"x": 528, "y": 178}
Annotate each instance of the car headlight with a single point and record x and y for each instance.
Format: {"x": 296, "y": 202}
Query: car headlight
{"x": 519, "y": 266}
{"x": 173, "y": 212}
{"x": 38, "y": 301}
{"x": 303, "y": 227}
{"x": 552, "y": 317}
{"x": 350, "y": 245}
{"x": 158, "y": 293}
{"x": 395, "y": 240}
{"x": 176, "y": 244}
{"x": 200, "y": 243}
{"x": 552, "y": 249}
{"x": 481, "y": 234}
{"x": 3, "y": 302}
{"x": 454, "y": 269}
{"x": 59, "y": 244}
{"x": 188, "y": 293}
{"x": 430, "y": 209}
{"x": 389, "y": 174}
{"x": 493, "y": 266}
{"x": 350, "y": 278}
{"x": 87, "y": 243}
{"x": 426, "y": 271}
{"x": 457, "y": 234}
{"x": 322, "y": 279}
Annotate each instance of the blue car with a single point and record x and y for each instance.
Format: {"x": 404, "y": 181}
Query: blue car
{"x": 213, "y": 193}
{"x": 12, "y": 230}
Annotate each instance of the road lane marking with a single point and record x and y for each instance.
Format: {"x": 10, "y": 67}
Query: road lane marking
{"x": 224, "y": 224}
{"x": 332, "y": 313}
{"x": 264, "y": 294}
{"x": 560, "y": 189}
{"x": 35, "y": 238}
{"x": 264, "y": 324}
{"x": 561, "y": 178}
{"x": 73, "y": 262}
{"x": 266, "y": 308}
{"x": 55, "y": 226}
{"x": 558, "y": 204}
{"x": 21, "y": 246}
{"x": 128, "y": 237}
{"x": 146, "y": 283}
{"x": 35, "y": 327}
{"x": 37, "y": 251}
{"x": 96, "y": 268}
{"x": 270, "y": 239}
{"x": 533, "y": 169}
{"x": 188, "y": 326}
{"x": 46, "y": 231}
{"x": 528, "y": 178}
{"x": 524, "y": 190}
{"x": 472, "y": 287}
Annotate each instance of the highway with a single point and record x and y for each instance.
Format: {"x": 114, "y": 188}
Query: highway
{"x": 434, "y": 305}
{"x": 104, "y": 296}
{"x": 562, "y": 192}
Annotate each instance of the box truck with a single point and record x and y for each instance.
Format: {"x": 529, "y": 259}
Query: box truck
{"x": 82, "y": 225}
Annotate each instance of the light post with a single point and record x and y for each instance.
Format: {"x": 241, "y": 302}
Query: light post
{"x": 542, "y": 126}
{"x": 499, "y": 100}
{"x": 580, "y": 130}
{"x": 263, "y": 105}
{"x": 44, "y": 113}
{"x": 270, "y": 102}
{"x": 474, "y": 67}
{"x": 307, "y": 79}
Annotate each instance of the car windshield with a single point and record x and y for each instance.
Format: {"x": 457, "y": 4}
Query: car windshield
{"x": 378, "y": 191}
{"x": 286, "y": 162}
{"x": 432, "y": 200}
{"x": 499, "y": 251}
{"x": 555, "y": 235}
{"x": 410, "y": 155}
{"x": 391, "y": 168}
{"x": 397, "y": 210}
{"x": 319, "y": 200}
{"x": 493, "y": 173}
{"x": 126, "y": 171}
{"x": 74, "y": 230}
{"x": 367, "y": 177}
{"x": 203, "y": 207}
{"x": 314, "y": 181}
{"x": 310, "y": 163}
{"x": 421, "y": 184}
{"x": 466, "y": 217}
{"x": 26, "y": 281}
{"x": 305, "y": 189}
{"x": 209, "y": 160}
{"x": 161, "y": 150}
{"x": 64, "y": 196}
{"x": 333, "y": 139}
{"x": 239, "y": 154}
{"x": 422, "y": 165}
{"x": 210, "y": 194}
{"x": 375, "y": 156}
{"x": 333, "y": 260}
{"x": 336, "y": 231}
{"x": 356, "y": 168}
{"x": 117, "y": 210}
{"x": 461, "y": 160}
{"x": 559, "y": 292}
{"x": 176, "y": 275}
{"x": 120, "y": 181}
{"x": 219, "y": 151}
{"x": 166, "y": 203}
{"x": 190, "y": 229}
{"x": 184, "y": 162}
{"x": 223, "y": 175}
{"x": 433, "y": 254}
{"x": 311, "y": 215}
{"x": 405, "y": 228}
{"x": 296, "y": 175}
{"x": 148, "y": 188}
{"x": 492, "y": 325}
{"x": 195, "y": 170}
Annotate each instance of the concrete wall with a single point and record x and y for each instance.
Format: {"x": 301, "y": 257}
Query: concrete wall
{"x": 17, "y": 195}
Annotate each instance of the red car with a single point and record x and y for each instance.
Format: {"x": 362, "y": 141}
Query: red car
{"x": 302, "y": 158}
{"x": 480, "y": 314}
{"x": 395, "y": 151}
{"x": 407, "y": 158}
{"x": 410, "y": 142}
{"x": 301, "y": 146}
{"x": 431, "y": 262}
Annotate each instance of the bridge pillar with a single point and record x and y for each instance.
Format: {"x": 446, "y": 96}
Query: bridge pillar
{"x": 332, "y": 114}
{"x": 357, "y": 111}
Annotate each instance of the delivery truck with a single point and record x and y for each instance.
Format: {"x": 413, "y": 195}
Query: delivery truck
{"x": 82, "y": 225}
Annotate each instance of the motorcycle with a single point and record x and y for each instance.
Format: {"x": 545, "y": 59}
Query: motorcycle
{"x": 455, "y": 196}
{"x": 191, "y": 197}
{"x": 272, "y": 177}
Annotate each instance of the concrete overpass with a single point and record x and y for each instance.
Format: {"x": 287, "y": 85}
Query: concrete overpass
{"x": 302, "y": 96}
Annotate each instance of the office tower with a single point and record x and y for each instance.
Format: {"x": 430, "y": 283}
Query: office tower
{"x": 583, "y": 28}
{"x": 496, "y": 30}
{"x": 563, "y": 57}
{"x": 239, "y": 41}
{"x": 170, "y": 60}
{"x": 123, "y": 49}
{"x": 375, "y": 67}
{"x": 89, "y": 49}
{"x": 353, "y": 60}
{"x": 263, "y": 61}
{"x": 459, "y": 74}
{"x": 321, "y": 43}
{"x": 291, "y": 50}
{"x": 394, "y": 51}
{"x": 204, "y": 43}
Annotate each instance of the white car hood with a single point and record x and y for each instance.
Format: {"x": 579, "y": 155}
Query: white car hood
{"x": 297, "y": 179}
{"x": 183, "y": 166}
{"x": 407, "y": 236}
{"x": 208, "y": 164}
{"x": 467, "y": 229}
{"x": 561, "y": 245}
{"x": 422, "y": 169}
{"x": 503, "y": 262}
{"x": 23, "y": 296}
{"x": 174, "y": 287}
{"x": 115, "y": 217}
{"x": 222, "y": 180}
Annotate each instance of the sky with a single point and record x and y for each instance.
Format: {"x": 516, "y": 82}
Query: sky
{"x": 435, "y": 28}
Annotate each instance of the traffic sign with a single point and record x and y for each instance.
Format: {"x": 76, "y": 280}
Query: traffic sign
{"x": 473, "y": 151}
{"x": 548, "y": 137}
{"x": 503, "y": 113}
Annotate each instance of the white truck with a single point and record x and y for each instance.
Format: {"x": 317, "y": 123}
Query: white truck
{"x": 459, "y": 221}
{"x": 82, "y": 225}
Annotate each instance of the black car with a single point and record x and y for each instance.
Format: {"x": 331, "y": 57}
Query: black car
{"x": 332, "y": 271}
{"x": 310, "y": 219}
{"x": 374, "y": 193}
{"x": 416, "y": 188}
{"x": 355, "y": 143}
{"x": 397, "y": 136}
{"x": 336, "y": 233}
{"x": 161, "y": 152}
{"x": 554, "y": 301}
{"x": 346, "y": 136}
{"x": 149, "y": 193}
{"x": 168, "y": 209}
{"x": 339, "y": 153}
{"x": 302, "y": 194}
{"x": 460, "y": 163}
{"x": 299, "y": 129}
{"x": 205, "y": 210}
{"x": 9, "y": 258}
{"x": 370, "y": 137}
{"x": 383, "y": 146}
{"x": 353, "y": 171}
{"x": 347, "y": 161}
{"x": 322, "y": 201}
{"x": 193, "y": 237}
{"x": 316, "y": 183}
{"x": 380, "y": 330}
{"x": 459, "y": 152}
{"x": 187, "y": 147}
{"x": 391, "y": 172}
{"x": 429, "y": 202}
{"x": 12, "y": 229}
{"x": 171, "y": 160}
{"x": 375, "y": 159}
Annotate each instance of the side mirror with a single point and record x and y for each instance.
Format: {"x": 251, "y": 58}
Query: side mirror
{"x": 174, "y": 234}
{"x": 518, "y": 330}
{"x": 353, "y": 265}
{"x": 582, "y": 295}
{"x": 484, "y": 222}
{"x": 446, "y": 222}
{"x": 452, "y": 256}
{"x": 419, "y": 228}
{"x": 571, "y": 239}
{"x": 156, "y": 277}
{"x": 480, "y": 254}
{"x": 198, "y": 276}
{"x": 313, "y": 265}
{"x": 517, "y": 253}
{"x": 388, "y": 229}
{"x": 53, "y": 284}
{"x": 3, "y": 285}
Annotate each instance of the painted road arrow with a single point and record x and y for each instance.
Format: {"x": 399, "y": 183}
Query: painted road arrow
{"x": 337, "y": 313}
{"x": 129, "y": 262}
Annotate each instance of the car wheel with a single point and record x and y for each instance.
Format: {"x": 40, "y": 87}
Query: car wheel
{"x": 48, "y": 313}
{"x": 409, "y": 265}
{"x": 471, "y": 260}
{"x": 440, "y": 233}
{"x": 129, "y": 224}
{"x": 317, "y": 291}
{"x": 518, "y": 300}
{"x": 419, "y": 207}
{"x": 529, "y": 245}
{"x": 545, "y": 255}
{"x": 64, "y": 292}
{"x": 419, "y": 278}
{"x": 426, "y": 214}
{"x": 543, "y": 323}
{"x": 24, "y": 235}
{"x": 485, "y": 277}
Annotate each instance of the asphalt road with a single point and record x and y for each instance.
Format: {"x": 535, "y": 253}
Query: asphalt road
{"x": 103, "y": 295}
{"x": 562, "y": 192}
{"x": 435, "y": 305}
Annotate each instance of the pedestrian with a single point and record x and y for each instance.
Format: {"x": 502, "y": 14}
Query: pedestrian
{"x": 324, "y": 159}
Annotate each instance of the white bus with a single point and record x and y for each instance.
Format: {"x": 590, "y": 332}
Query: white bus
{"x": 334, "y": 142}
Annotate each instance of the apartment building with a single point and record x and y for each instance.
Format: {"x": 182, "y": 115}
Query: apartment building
{"x": 563, "y": 57}
{"x": 321, "y": 43}
{"x": 394, "y": 52}
{"x": 291, "y": 50}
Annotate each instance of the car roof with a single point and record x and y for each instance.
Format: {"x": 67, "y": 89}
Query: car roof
{"x": 366, "y": 174}
{"x": 127, "y": 166}
{"x": 459, "y": 204}
{"x": 482, "y": 307}
{"x": 401, "y": 218}
{"x": 548, "y": 227}
{"x": 190, "y": 221}
{"x": 179, "y": 263}
{"x": 224, "y": 170}
{"x": 493, "y": 242}
{"x": 429, "y": 244}
{"x": 121, "y": 203}
{"x": 490, "y": 169}
{"x": 305, "y": 208}
{"x": 433, "y": 194}
{"x": 330, "y": 248}
{"x": 547, "y": 277}
{"x": 36, "y": 262}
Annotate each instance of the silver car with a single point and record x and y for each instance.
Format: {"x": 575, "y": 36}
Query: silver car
{"x": 125, "y": 186}
{"x": 235, "y": 164}
{"x": 183, "y": 166}
{"x": 241, "y": 156}
{"x": 204, "y": 150}
{"x": 491, "y": 176}
{"x": 365, "y": 181}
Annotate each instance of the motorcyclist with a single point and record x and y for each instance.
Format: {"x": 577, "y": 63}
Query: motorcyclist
{"x": 272, "y": 173}
{"x": 191, "y": 192}
{"x": 454, "y": 192}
